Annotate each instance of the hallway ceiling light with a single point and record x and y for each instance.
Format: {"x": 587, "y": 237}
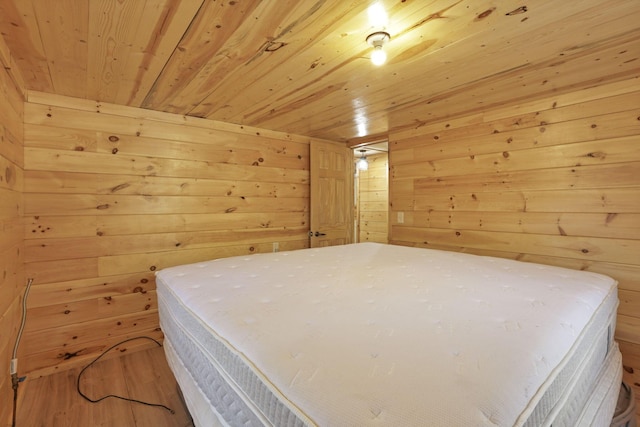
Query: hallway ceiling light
{"x": 362, "y": 163}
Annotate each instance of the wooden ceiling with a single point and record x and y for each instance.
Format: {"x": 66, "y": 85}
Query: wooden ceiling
{"x": 302, "y": 66}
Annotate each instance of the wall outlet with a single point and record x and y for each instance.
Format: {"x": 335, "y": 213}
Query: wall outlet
{"x": 400, "y": 217}
{"x": 276, "y": 246}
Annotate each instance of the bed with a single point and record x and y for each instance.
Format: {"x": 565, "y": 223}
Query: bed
{"x": 380, "y": 335}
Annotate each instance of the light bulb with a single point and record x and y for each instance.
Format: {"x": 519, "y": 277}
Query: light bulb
{"x": 377, "y": 41}
{"x": 362, "y": 164}
{"x": 378, "y": 56}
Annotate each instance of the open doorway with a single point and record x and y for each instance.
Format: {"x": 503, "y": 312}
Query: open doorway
{"x": 371, "y": 193}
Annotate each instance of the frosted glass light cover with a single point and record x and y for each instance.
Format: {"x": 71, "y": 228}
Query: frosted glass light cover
{"x": 362, "y": 164}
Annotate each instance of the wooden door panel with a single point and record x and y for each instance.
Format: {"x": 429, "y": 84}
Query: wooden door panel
{"x": 331, "y": 194}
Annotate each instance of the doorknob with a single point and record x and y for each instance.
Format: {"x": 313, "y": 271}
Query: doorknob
{"x": 318, "y": 234}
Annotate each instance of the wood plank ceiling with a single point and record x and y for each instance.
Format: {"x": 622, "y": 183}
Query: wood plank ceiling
{"x": 301, "y": 66}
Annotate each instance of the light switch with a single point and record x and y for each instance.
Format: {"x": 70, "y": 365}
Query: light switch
{"x": 400, "y": 217}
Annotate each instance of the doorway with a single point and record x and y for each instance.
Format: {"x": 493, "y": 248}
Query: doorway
{"x": 371, "y": 193}
{"x": 331, "y": 206}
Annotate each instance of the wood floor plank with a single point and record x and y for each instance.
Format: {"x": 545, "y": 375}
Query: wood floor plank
{"x": 53, "y": 400}
{"x": 145, "y": 382}
{"x": 102, "y": 379}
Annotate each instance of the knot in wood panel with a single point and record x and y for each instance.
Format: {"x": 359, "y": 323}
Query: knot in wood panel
{"x": 119, "y": 187}
{"x": 272, "y": 46}
{"x": 268, "y": 46}
{"x": 8, "y": 174}
{"x": 610, "y": 217}
{"x": 597, "y": 155}
{"x": 518, "y": 11}
{"x": 485, "y": 14}
{"x": 68, "y": 356}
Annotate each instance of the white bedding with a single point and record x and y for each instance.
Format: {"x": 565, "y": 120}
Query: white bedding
{"x": 373, "y": 334}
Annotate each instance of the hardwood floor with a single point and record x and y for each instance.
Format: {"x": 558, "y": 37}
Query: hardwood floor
{"x": 53, "y": 401}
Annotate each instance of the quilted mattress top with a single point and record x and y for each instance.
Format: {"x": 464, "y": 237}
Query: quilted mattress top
{"x": 371, "y": 334}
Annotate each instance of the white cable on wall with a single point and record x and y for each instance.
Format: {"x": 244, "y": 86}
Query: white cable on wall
{"x": 14, "y": 357}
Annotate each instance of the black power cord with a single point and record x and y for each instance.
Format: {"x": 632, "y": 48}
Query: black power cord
{"x": 112, "y": 395}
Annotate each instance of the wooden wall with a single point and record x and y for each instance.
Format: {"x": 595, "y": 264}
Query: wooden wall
{"x": 113, "y": 194}
{"x": 12, "y": 279}
{"x": 373, "y": 200}
{"x": 555, "y": 181}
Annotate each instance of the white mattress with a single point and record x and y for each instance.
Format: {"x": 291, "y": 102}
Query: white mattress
{"x": 373, "y": 334}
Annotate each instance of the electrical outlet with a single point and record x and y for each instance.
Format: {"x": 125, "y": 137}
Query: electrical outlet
{"x": 276, "y": 246}
{"x": 400, "y": 217}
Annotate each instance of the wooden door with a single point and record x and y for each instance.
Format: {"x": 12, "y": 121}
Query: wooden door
{"x": 331, "y": 194}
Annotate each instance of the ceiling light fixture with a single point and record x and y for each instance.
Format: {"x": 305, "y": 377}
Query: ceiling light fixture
{"x": 362, "y": 164}
{"x": 377, "y": 40}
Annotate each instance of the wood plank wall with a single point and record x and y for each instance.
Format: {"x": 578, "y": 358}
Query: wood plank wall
{"x": 113, "y": 194}
{"x": 373, "y": 200}
{"x": 555, "y": 181}
{"x": 12, "y": 279}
